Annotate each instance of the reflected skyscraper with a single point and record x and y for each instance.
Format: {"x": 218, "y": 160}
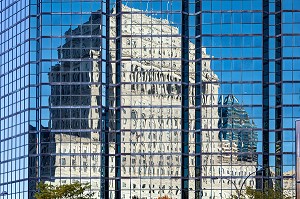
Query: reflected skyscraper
{"x": 148, "y": 99}
{"x": 237, "y": 128}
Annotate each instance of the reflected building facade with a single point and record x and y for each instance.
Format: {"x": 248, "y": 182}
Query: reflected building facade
{"x": 150, "y": 135}
{"x": 146, "y": 99}
{"x": 76, "y": 112}
{"x": 236, "y": 127}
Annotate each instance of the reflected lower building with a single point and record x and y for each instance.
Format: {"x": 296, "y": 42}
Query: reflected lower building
{"x": 142, "y": 99}
{"x": 237, "y": 128}
{"x": 76, "y": 111}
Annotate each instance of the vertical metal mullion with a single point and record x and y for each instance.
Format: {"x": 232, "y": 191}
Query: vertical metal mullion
{"x": 198, "y": 91}
{"x": 265, "y": 82}
{"x": 118, "y": 101}
{"x": 34, "y": 132}
{"x": 105, "y": 114}
{"x": 185, "y": 100}
{"x": 278, "y": 101}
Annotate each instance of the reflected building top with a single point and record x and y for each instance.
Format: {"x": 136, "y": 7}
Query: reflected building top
{"x": 175, "y": 98}
{"x": 237, "y": 128}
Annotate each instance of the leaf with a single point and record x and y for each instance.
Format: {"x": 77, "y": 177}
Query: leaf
{"x": 268, "y": 193}
{"x": 68, "y": 191}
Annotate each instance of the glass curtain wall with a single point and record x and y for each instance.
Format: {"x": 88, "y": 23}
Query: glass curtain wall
{"x": 289, "y": 67}
{"x": 15, "y": 98}
{"x": 149, "y": 99}
{"x": 186, "y": 116}
{"x": 232, "y": 35}
{"x": 71, "y": 86}
{"x": 146, "y": 100}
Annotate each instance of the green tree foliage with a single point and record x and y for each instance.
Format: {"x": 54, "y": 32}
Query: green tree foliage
{"x": 68, "y": 191}
{"x": 259, "y": 194}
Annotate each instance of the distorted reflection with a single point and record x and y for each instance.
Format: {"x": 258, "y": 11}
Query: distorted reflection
{"x": 76, "y": 112}
{"x": 147, "y": 88}
{"x": 151, "y": 131}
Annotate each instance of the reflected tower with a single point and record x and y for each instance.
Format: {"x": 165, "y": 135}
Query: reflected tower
{"x": 124, "y": 95}
{"x": 237, "y": 128}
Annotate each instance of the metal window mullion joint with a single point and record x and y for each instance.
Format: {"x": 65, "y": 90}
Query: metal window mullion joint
{"x": 265, "y": 79}
{"x": 118, "y": 100}
{"x": 34, "y": 102}
{"x": 33, "y": 135}
{"x": 185, "y": 100}
{"x": 278, "y": 95}
{"x": 198, "y": 95}
{"x": 105, "y": 131}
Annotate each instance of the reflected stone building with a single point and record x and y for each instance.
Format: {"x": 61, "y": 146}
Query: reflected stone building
{"x": 148, "y": 99}
{"x": 76, "y": 111}
{"x": 150, "y": 117}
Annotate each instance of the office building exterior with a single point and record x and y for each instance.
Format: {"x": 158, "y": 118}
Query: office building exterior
{"x": 146, "y": 99}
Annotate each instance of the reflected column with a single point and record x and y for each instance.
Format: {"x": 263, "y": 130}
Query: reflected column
{"x": 185, "y": 100}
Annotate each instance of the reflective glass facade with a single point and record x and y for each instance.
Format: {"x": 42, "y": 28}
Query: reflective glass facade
{"x": 146, "y": 99}
{"x": 15, "y": 98}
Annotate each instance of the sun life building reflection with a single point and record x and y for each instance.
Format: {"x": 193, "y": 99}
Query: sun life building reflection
{"x": 76, "y": 112}
{"x": 150, "y": 115}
